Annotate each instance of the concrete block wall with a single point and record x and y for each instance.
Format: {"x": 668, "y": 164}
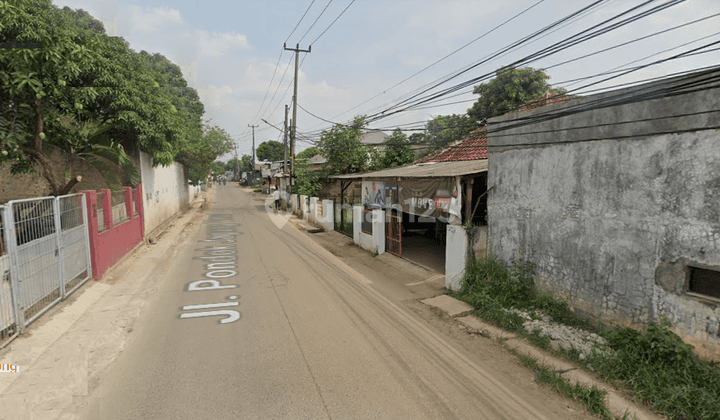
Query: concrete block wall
{"x": 614, "y": 204}
{"x": 165, "y": 191}
{"x": 376, "y": 241}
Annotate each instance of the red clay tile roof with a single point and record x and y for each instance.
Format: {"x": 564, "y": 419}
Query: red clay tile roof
{"x": 473, "y": 147}
{"x": 545, "y": 99}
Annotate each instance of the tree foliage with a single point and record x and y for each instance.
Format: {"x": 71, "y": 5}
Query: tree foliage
{"x": 199, "y": 156}
{"x": 398, "y": 151}
{"x": 307, "y": 181}
{"x": 342, "y": 148}
{"x": 246, "y": 163}
{"x": 510, "y": 89}
{"x": 308, "y": 153}
{"x": 67, "y": 85}
{"x": 444, "y": 129}
{"x": 271, "y": 151}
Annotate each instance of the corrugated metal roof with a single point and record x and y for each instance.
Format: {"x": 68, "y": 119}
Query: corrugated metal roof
{"x": 426, "y": 170}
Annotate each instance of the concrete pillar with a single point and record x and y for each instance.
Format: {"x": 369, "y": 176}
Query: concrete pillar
{"x": 328, "y": 219}
{"x": 456, "y": 255}
{"x": 357, "y": 215}
{"x": 378, "y": 221}
{"x": 312, "y": 211}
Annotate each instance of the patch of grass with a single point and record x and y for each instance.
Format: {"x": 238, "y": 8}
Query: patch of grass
{"x": 656, "y": 366}
{"x": 541, "y": 341}
{"x": 659, "y": 368}
{"x": 592, "y": 398}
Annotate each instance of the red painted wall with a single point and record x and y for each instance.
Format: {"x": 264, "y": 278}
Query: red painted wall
{"x": 108, "y": 247}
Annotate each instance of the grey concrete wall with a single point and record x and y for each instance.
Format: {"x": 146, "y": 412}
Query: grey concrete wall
{"x": 613, "y": 210}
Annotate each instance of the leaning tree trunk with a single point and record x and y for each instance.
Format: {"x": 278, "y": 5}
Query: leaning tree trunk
{"x": 37, "y": 152}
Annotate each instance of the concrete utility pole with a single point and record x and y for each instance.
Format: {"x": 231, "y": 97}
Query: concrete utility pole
{"x": 293, "y": 124}
{"x": 237, "y": 168}
{"x": 252, "y": 170}
{"x": 285, "y": 145}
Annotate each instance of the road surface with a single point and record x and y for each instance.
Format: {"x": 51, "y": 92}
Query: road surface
{"x": 255, "y": 321}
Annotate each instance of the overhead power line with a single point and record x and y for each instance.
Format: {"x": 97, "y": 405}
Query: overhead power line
{"x": 597, "y": 30}
{"x": 333, "y": 22}
{"x": 301, "y": 19}
{"x": 316, "y": 20}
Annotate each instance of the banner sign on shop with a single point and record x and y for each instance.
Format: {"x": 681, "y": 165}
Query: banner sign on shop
{"x": 428, "y": 197}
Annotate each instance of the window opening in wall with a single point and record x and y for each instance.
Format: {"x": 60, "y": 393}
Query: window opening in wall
{"x": 705, "y": 282}
{"x": 366, "y": 225}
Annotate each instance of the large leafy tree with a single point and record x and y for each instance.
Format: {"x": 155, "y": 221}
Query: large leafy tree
{"x": 444, "y": 129}
{"x": 509, "y": 90}
{"x": 342, "y": 148}
{"x": 246, "y": 163}
{"x": 199, "y": 156}
{"x": 67, "y": 85}
{"x": 307, "y": 181}
{"x": 398, "y": 151}
{"x": 270, "y": 150}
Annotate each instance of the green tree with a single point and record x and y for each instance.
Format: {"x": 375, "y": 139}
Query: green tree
{"x": 398, "y": 151}
{"x": 307, "y": 181}
{"x": 342, "y": 148}
{"x": 509, "y": 90}
{"x": 444, "y": 129}
{"x": 308, "y": 153}
{"x": 246, "y": 163}
{"x": 200, "y": 155}
{"x": 270, "y": 150}
{"x": 68, "y": 85}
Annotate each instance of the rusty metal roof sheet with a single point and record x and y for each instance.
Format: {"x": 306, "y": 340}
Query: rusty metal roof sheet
{"x": 425, "y": 170}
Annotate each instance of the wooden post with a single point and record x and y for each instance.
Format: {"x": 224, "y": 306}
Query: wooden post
{"x": 468, "y": 199}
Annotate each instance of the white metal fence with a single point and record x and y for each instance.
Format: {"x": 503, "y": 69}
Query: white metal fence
{"x": 44, "y": 256}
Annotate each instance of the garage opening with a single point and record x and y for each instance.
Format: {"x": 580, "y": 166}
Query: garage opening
{"x": 423, "y": 241}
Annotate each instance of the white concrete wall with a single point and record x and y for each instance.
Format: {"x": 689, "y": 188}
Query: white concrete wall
{"x": 193, "y": 193}
{"x": 165, "y": 191}
{"x": 327, "y": 221}
{"x": 456, "y": 252}
{"x": 312, "y": 211}
{"x": 376, "y": 241}
{"x": 304, "y": 207}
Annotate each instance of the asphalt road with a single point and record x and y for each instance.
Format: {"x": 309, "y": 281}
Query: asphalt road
{"x": 257, "y": 322}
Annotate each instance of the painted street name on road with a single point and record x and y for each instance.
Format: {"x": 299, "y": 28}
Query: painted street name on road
{"x": 220, "y": 263}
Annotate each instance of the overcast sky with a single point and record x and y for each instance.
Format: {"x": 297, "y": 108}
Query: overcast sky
{"x": 229, "y": 51}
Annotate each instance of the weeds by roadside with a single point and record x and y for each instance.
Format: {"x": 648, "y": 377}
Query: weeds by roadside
{"x": 657, "y": 367}
{"x": 592, "y": 398}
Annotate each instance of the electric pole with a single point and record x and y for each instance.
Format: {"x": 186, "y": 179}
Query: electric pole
{"x": 237, "y": 168}
{"x": 285, "y": 148}
{"x": 252, "y": 171}
{"x": 293, "y": 123}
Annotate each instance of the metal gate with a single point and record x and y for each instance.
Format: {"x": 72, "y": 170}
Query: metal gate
{"x": 45, "y": 256}
{"x": 393, "y": 235}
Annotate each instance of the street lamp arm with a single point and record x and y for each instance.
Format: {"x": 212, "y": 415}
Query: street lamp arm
{"x": 278, "y": 129}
